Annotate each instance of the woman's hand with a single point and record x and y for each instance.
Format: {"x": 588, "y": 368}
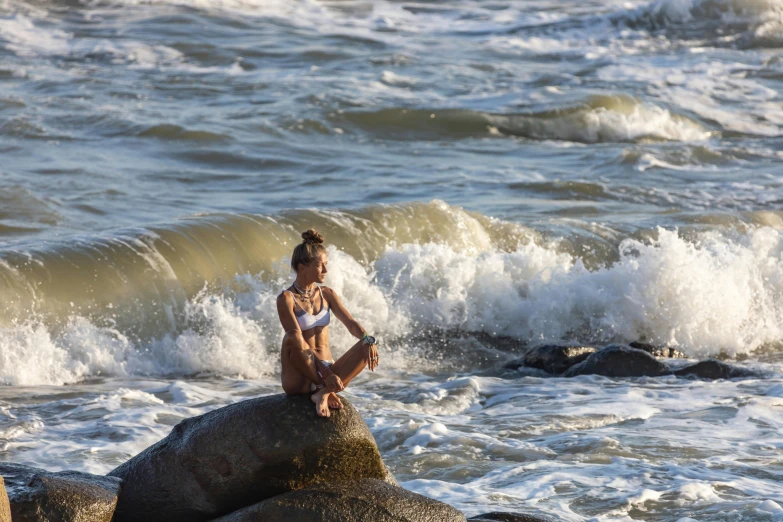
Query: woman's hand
{"x": 372, "y": 356}
{"x": 333, "y": 383}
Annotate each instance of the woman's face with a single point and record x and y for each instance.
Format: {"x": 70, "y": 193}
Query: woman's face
{"x": 316, "y": 271}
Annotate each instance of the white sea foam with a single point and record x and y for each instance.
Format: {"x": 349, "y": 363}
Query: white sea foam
{"x": 398, "y": 80}
{"x": 644, "y": 121}
{"x": 726, "y": 11}
{"x": 606, "y": 119}
{"x": 704, "y": 89}
{"x": 25, "y": 38}
{"x": 615, "y": 468}
{"x": 30, "y": 37}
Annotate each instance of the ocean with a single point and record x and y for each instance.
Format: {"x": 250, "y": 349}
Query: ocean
{"x": 489, "y": 175}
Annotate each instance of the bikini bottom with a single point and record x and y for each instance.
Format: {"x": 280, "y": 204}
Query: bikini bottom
{"x": 328, "y": 363}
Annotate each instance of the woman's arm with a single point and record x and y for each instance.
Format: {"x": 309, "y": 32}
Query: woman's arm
{"x": 342, "y": 314}
{"x": 285, "y": 311}
{"x": 352, "y": 324}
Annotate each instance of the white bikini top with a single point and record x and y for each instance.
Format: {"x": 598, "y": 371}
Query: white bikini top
{"x": 309, "y": 321}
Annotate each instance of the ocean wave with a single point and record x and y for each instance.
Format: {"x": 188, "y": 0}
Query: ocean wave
{"x": 600, "y": 118}
{"x": 199, "y": 296}
{"x": 667, "y": 12}
{"x": 753, "y": 23}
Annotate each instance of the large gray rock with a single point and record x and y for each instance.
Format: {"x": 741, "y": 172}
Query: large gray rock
{"x": 5, "y": 507}
{"x": 36, "y": 495}
{"x": 619, "y": 361}
{"x": 554, "y": 358}
{"x": 497, "y": 516}
{"x": 712, "y": 369}
{"x": 363, "y": 500}
{"x": 658, "y": 351}
{"x": 239, "y": 455}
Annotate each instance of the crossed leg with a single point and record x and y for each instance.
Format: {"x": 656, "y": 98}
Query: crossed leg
{"x": 299, "y": 372}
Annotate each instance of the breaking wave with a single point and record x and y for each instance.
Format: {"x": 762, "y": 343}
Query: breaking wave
{"x": 601, "y": 118}
{"x": 198, "y": 296}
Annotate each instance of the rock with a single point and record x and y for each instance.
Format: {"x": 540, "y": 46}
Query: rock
{"x": 36, "y": 495}
{"x": 355, "y": 501}
{"x": 619, "y": 361}
{"x": 5, "y": 506}
{"x": 389, "y": 477}
{"x": 658, "y": 351}
{"x": 712, "y": 369}
{"x": 239, "y": 455}
{"x": 497, "y": 516}
{"x": 554, "y": 358}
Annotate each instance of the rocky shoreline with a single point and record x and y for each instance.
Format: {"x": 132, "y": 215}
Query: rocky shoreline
{"x": 261, "y": 460}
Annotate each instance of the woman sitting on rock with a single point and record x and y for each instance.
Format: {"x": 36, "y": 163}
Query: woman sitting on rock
{"x": 305, "y": 310}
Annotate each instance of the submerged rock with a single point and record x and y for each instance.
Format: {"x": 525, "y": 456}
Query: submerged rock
{"x": 355, "y": 501}
{"x": 36, "y": 495}
{"x": 497, "y": 516}
{"x": 556, "y": 359}
{"x": 712, "y": 369}
{"x": 658, "y": 351}
{"x": 244, "y": 453}
{"x": 619, "y": 361}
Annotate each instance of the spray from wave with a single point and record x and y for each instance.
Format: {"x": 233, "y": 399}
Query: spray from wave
{"x": 200, "y": 296}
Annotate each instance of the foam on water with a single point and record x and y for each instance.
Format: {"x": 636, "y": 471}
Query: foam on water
{"x": 556, "y": 450}
{"x": 584, "y": 448}
{"x": 26, "y": 39}
{"x": 33, "y": 37}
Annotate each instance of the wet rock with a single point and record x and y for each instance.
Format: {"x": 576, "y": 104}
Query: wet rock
{"x": 658, "y": 351}
{"x": 554, "y": 358}
{"x": 712, "y": 369}
{"x": 5, "y": 507}
{"x": 36, "y": 495}
{"x": 239, "y": 455}
{"x": 497, "y": 516}
{"x": 355, "y": 501}
{"x": 618, "y": 360}
{"x": 389, "y": 476}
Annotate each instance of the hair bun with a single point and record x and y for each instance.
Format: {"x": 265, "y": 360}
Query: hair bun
{"x": 311, "y": 236}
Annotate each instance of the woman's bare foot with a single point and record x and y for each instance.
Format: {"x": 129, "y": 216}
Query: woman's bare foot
{"x": 334, "y": 402}
{"x": 321, "y": 400}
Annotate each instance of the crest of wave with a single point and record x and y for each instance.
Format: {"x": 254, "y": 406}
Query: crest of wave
{"x": 606, "y": 118}
{"x": 718, "y": 294}
{"x": 220, "y": 338}
{"x": 755, "y": 22}
{"x": 676, "y": 11}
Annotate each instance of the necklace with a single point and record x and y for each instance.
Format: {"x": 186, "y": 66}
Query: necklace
{"x": 303, "y": 293}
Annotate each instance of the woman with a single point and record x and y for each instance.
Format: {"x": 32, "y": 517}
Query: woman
{"x": 305, "y": 312}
